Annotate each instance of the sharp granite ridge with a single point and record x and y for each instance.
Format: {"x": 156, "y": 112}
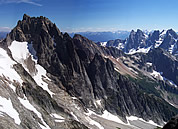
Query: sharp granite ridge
{"x": 61, "y": 82}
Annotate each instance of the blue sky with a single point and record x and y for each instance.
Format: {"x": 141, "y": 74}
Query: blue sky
{"x": 94, "y": 15}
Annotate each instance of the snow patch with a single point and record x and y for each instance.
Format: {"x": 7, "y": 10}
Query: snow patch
{"x": 28, "y": 105}
{"x": 98, "y": 102}
{"x": 157, "y": 75}
{"x": 12, "y": 87}
{"x": 6, "y": 67}
{"x": 139, "y": 50}
{"x": 158, "y": 43}
{"x": 107, "y": 115}
{"x": 57, "y": 117}
{"x": 38, "y": 78}
{"x": 74, "y": 116}
{"x": 120, "y": 46}
{"x": 134, "y": 118}
{"x": 170, "y": 82}
{"x": 19, "y": 51}
{"x": 7, "y": 107}
{"x": 171, "y": 48}
{"x": 92, "y": 122}
{"x": 163, "y": 33}
{"x": 117, "y": 69}
{"x": 149, "y": 64}
{"x": 103, "y": 44}
{"x": 27, "y": 50}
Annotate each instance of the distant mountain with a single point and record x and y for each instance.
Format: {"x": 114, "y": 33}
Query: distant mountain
{"x": 3, "y": 35}
{"x": 103, "y": 36}
{"x": 140, "y": 41}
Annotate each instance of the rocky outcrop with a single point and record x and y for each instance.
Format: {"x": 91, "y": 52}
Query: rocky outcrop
{"x": 169, "y": 70}
{"x": 172, "y": 124}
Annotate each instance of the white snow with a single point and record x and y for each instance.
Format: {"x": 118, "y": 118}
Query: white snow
{"x": 157, "y": 75}
{"x": 158, "y": 43}
{"x": 120, "y": 46}
{"x": 149, "y": 63}
{"x": 6, "y": 67}
{"x": 111, "y": 117}
{"x": 7, "y": 107}
{"x": 38, "y": 78}
{"x": 90, "y": 112}
{"x": 75, "y": 98}
{"x": 12, "y": 87}
{"x": 134, "y": 118}
{"x": 116, "y": 69}
{"x": 171, "y": 48}
{"x": 20, "y": 52}
{"x": 92, "y": 122}
{"x": 163, "y": 32}
{"x": 74, "y": 116}
{"x": 57, "y": 117}
{"x": 170, "y": 82}
{"x": 98, "y": 102}
{"x": 106, "y": 115}
{"x": 103, "y": 44}
{"x": 146, "y": 36}
{"x": 140, "y": 50}
{"x": 28, "y": 105}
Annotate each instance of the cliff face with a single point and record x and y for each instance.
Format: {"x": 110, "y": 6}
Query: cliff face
{"x": 81, "y": 69}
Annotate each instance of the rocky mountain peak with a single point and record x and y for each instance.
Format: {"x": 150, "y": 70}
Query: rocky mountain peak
{"x": 172, "y": 33}
{"x": 26, "y": 17}
{"x": 132, "y": 32}
{"x": 139, "y": 31}
{"x": 136, "y": 39}
{"x": 29, "y": 28}
{"x": 154, "y": 36}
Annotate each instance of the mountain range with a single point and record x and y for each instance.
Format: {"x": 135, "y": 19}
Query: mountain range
{"x": 3, "y": 35}
{"x": 52, "y": 81}
{"x": 103, "y": 36}
{"x": 141, "y": 42}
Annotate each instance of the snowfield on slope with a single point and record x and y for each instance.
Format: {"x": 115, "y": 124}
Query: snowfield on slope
{"x": 22, "y": 55}
{"x": 28, "y": 105}
{"x": 7, "y": 107}
{"x": 6, "y": 67}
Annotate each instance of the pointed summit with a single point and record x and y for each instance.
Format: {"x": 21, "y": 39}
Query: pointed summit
{"x": 26, "y": 17}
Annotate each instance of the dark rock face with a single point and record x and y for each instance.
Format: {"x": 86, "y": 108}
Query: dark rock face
{"x": 172, "y": 124}
{"x": 169, "y": 70}
{"x": 170, "y": 40}
{"x": 135, "y": 40}
{"x": 80, "y": 66}
{"x": 152, "y": 38}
